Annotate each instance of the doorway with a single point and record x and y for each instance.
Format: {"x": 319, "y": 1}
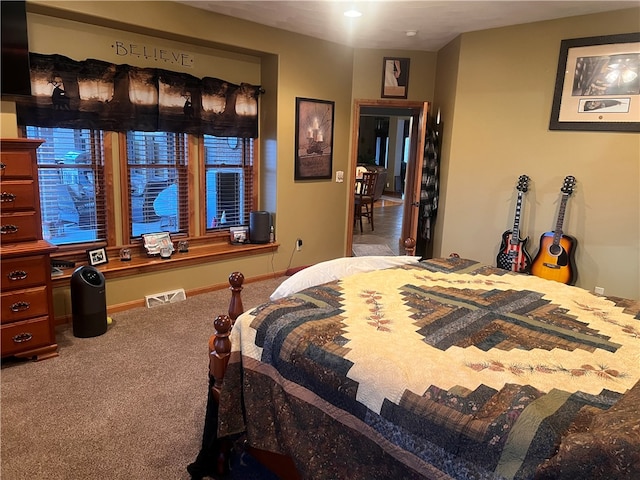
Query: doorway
{"x": 389, "y": 134}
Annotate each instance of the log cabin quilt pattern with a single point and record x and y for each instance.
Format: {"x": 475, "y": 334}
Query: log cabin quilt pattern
{"x": 444, "y": 368}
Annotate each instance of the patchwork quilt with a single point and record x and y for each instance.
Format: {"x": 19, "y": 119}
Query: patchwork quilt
{"x": 445, "y": 368}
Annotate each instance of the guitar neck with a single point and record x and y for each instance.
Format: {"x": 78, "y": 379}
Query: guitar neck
{"x": 557, "y": 234}
{"x": 515, "y": 232}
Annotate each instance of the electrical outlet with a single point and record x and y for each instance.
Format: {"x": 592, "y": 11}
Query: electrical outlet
{"x": 598, "y": 290}
{"x": 299, "y": 244}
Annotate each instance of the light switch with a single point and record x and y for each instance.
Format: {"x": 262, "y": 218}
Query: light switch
{"x": 339, "y": 176}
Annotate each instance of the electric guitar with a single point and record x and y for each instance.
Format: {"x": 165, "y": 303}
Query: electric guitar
{"x": 513, "y": 254}
{"x": 554, "y": 260}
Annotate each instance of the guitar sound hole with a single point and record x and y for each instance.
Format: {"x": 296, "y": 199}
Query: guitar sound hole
{"x": 555, "y": 250}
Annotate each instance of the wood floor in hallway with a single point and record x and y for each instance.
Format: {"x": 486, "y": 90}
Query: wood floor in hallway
{"x": 387, "y": 221}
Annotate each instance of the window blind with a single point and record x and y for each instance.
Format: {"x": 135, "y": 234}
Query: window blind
{"x": 158, "y": 182}
{"x": 228, "y": 163}
{"x": 72, "y": 185}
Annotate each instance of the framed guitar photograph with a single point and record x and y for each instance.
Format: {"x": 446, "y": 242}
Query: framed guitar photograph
{"x": 598, "y": 84}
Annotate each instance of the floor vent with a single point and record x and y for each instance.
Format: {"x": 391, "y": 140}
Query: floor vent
{"x": 163, "y": 298}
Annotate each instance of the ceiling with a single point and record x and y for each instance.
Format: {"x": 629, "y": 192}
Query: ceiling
{"x": 384, "y": 23}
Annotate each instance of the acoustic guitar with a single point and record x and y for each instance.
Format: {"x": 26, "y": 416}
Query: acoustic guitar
{"x": 513, "y": 254}
{"x": 555, "y": 258}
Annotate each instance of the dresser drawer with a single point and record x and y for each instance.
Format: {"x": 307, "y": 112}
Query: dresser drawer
{"x": 24, "y": 272}
{"x": 23, "y": 304}
{"x": 18, "y": 195}
{"x": 26, "y": 335}
{"x": 16, "y": 164}
{"x": 20, "y": 227}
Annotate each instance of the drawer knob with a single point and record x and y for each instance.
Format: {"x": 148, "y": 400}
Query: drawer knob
{"x": 6, "y": 197}
{"x": 22, "y": 337}
{"x": 17, "y": 275}
{"x": 6, "y": 229}
{"x": 20, "y": 306}
{"x": 2, "y": 165}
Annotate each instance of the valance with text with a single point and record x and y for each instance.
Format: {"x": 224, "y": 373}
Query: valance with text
{"x": 104, "y": 96}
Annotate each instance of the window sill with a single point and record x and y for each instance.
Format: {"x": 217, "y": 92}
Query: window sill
{"x": 144, "y": 264}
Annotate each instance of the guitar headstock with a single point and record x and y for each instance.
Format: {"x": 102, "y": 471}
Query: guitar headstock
{"x": 569, "y": 183}
{"x": 523, "y": 183}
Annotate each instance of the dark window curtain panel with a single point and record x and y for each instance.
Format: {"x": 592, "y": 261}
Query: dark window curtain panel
{"x": 105, "y": 96}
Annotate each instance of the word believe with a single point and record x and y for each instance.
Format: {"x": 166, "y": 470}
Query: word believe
{"x": 158, "y": 54}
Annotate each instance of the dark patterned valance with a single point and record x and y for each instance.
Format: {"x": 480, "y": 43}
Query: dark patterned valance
{"x": 105, "y": 96}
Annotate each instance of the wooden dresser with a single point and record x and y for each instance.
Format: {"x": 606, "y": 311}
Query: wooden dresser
{"x": 26, "y": 313}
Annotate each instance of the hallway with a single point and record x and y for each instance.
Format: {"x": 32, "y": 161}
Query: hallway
{"x": 387, "y": 213}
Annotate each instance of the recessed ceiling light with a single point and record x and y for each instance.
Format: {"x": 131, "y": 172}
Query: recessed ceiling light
{"x": 353, "y": 13}
{"x": 412, "y": 33}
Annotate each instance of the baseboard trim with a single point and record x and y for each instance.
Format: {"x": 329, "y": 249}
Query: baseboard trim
{"x": 121, "y": 307}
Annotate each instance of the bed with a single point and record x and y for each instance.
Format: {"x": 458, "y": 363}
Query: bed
{"x": 434, "y": 369}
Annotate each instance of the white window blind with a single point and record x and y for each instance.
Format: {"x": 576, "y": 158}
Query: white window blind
{"x": 72, "y": 186}
{"x": 228, "y": 163}
{"x": 158, "y": 187}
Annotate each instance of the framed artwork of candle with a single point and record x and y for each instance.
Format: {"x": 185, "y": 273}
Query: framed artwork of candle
{"x": 395, "y": 77}
{"x": 314, "y": 139}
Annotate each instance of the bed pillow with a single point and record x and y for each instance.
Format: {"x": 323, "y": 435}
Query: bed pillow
{"x": 336, "y": 269}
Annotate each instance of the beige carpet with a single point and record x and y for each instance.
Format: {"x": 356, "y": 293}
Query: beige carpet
{"x": 128, "y": 404}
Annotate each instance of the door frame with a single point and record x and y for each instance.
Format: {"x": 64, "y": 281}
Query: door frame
{"x": 410, "y": 209}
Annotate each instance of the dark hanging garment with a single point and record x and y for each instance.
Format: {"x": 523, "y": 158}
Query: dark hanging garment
{"x": 428, "y": 192}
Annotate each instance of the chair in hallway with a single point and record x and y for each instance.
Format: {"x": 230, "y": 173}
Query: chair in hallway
{"x": 364, "y": 198}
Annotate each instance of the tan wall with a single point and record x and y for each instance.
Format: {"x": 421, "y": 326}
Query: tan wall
{"x": 8, "y": 127}
{"x": 498, "y": 129}
{"x": 367, "y": 73}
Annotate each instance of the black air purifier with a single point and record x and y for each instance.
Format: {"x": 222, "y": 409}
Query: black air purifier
{"x": 88, "y": 302}
{"x": 259, "y": 226}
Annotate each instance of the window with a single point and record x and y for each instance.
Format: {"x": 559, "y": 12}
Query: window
{"x": 228, "y": 166}
{"x": 161, "y": 191}
{"x": 72, "y": 184}
{"x": 157, "y": 181}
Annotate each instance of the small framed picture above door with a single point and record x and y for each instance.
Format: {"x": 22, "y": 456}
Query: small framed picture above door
{"x": 395, "y": 77}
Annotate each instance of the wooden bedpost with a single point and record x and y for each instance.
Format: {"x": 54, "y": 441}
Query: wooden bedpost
{"x": 235, "y": 305}
{"x": 219, "y": 351}
{"x": 219, "y": 342}
{"x": 410, "y": 246}
{"x": 216, "y": 452}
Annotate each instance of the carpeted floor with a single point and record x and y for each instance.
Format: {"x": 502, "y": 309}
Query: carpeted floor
{"x": 128, "y": 404}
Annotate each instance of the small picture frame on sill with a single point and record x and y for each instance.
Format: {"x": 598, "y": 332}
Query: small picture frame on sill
{"x": 97, "y": 256}
{"x": 155, "y": 242}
